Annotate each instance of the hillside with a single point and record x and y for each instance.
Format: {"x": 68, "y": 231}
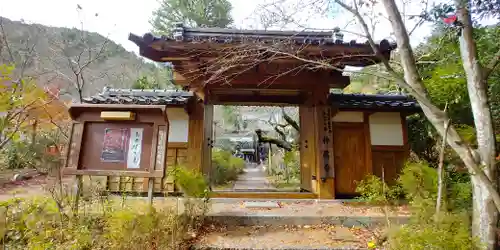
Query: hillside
{"x": 54, "y": 54}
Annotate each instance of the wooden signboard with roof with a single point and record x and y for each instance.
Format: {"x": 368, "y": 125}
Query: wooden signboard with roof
{"x": 117, "y": 140}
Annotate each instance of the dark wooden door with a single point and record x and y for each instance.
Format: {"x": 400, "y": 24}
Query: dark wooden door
{"x": 350, "y": 157}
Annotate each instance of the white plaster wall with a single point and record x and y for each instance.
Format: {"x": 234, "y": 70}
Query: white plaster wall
{"x": 386, "y": 129}
{"x": 179, "y": 125}
{"x": 347, "y": 116}
{"x": 177, "y": 114}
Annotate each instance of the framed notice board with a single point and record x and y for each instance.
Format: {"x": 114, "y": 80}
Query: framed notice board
{"x": 118, "y": 140}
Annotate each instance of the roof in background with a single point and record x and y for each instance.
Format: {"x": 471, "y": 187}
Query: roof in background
{"x": 174, "y": 97}
{"x": 376, "y": 102}
{"x": 140, "y": 96}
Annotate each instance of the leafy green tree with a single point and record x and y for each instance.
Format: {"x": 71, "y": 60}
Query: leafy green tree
{"x": 231, "y": 116}
{"x": 192, "y": 13}
{"x": 145, "y": 83}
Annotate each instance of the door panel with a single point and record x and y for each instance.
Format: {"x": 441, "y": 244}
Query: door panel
{"x": 350, "y": 157}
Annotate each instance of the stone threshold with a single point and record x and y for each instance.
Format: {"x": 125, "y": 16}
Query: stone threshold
{"x": 280, "y": 220}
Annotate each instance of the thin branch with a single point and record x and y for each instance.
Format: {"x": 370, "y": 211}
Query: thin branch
{"x": 6, "y": 42}
{"x": 440, "y": 167}
{"x": 491, "y": 66}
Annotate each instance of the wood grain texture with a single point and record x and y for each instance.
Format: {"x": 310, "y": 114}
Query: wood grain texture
{"x": 350, "y": 157}
{"x": 391, "y": 162}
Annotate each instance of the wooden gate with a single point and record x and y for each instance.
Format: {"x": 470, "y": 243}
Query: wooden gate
{"x": 350, "y": 146}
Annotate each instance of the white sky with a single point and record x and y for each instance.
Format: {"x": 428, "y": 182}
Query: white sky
{"x": 117, "y": 18}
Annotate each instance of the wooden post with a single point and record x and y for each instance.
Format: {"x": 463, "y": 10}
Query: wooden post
{"x": 269, "y": 160}
{"x": 324, "y": 144}
{"x": 78, "y": 193}
{"x": 150, "y": 190}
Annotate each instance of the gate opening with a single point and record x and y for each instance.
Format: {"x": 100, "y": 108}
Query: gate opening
{"x": 256, "y": 149}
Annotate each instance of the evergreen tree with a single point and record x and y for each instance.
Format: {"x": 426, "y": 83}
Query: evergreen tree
{"x": 192, "y": 13}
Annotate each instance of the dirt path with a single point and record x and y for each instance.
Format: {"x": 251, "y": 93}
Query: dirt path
{"x": 284, "y": 237}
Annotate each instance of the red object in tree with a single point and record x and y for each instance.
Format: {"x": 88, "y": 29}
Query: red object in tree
{"x": 451, "y": 19}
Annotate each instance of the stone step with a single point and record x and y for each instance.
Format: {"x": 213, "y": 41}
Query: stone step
{"x": 346, "y": 221}
{"x": 261, "y": 204}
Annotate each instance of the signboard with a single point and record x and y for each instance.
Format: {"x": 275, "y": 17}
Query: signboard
{"x": 135, "y": 148}
{"x": 103, "y": 147}
{"x": 114, "y": 145}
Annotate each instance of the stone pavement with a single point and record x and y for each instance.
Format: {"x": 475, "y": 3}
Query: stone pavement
{"x": 253, "y": 178}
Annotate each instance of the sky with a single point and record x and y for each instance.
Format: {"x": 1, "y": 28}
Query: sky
{"x": 115, "y": 19}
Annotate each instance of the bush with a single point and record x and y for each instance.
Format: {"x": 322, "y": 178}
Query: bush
{"x": 41, "y": 224}
{"x": 373, "y": 190}
{"x": 225, "y": 167}
{"x": 418, "y": 182}
{"x": 132, "y": 229}
{"x": 451, "y": 232}
{"x": 191, "y": 182}
{"x": 23, "y": 154}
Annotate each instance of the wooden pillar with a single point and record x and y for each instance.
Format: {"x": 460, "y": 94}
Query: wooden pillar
{"x": 195, "y": 139}
{"x": 208, "y": 141}
{"x": 325, "y": 183}
{"x": 308, "y": 167}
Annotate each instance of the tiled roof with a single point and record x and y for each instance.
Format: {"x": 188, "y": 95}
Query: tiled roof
{"x": 140, "y": 96}
{"x": 378, "y": 102}
{"x": 185, "y": 41}
{"x": 224, "y": 35}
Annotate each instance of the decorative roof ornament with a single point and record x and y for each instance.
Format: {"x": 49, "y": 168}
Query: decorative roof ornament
{"x": 178, "y": 32}
{"x": 337, "y": 36}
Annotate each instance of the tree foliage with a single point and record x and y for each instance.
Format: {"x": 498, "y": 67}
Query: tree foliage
{"x": 20, "y": 102}
{"x": 443, "y": 75}
{"x": 193, "y": 13}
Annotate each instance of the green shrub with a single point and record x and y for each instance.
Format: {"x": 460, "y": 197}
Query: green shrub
{"x": 459, "y": 196}
{"x": 225, "y": 167}
{"x": 47, "y": 224}
{"x": 459, "y": 191}
{"x": 39, "y": 224}
{"x": 451, "y": 232}
{"x": 418, "y": 182}
{"x": 191, "y": 182}
{"x": 20, "y": 154}
{"x": 135, "y": 229}
{"x": 373, "y": 190}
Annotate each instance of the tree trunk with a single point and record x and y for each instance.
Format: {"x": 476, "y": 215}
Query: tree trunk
{"x": 485, "y": 215}
{"x": 489, "y": 198}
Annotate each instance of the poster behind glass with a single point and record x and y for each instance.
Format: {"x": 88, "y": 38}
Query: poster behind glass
{"x": 114, "y": 145}
{"x": 122, "y": 145}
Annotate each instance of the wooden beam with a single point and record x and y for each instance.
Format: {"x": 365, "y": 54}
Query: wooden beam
{"x": 179, "y": 79}
{"x": 260, "y": 99}
{"x": 263, "y": 79}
